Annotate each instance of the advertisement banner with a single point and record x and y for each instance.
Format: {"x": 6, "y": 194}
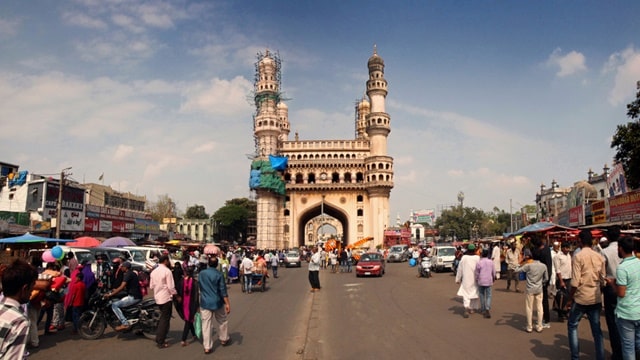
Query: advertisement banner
{"x": 625, "y": 207}
{"x": 598, "y": 212}
{"x": 72, "y": 220}
{"x": 616, "y": 181}
{"x": 91, "y": 225}
{"x": 105, "y": 226}
{"x": 576, "y": 216}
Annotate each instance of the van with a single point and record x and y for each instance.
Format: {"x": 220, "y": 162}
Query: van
{"x": 80, "y": 254}
{"x": 397, "y": 253}
{"x": 442, "y": 257}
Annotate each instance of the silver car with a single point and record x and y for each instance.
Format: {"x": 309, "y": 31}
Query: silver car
{"x": 292, "y": 258}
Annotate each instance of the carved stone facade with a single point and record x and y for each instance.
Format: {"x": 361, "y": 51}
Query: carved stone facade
{"x": 345, "y": 182}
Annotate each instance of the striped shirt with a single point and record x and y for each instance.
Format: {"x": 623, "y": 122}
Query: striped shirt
{"x": 14, "y": 327}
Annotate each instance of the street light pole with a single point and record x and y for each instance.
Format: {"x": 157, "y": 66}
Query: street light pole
{"x": 511, "y": 213}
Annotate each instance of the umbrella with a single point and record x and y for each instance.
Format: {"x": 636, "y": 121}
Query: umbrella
{"x": 117, "y": 241}
{"x": 29, "y": 238}
{"x": 211, "y": 249}
{"x": 85, "y": 241}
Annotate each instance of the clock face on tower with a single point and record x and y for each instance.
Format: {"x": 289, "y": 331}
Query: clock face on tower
{"x": 323, "y": 176}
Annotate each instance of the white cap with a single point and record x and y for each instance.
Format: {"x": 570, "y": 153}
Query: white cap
{"x": 603, "y": 239}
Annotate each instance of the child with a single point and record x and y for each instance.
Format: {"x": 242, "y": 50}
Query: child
{"x": 77, "y": 294}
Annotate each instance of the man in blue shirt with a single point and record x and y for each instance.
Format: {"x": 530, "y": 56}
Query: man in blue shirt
{"x": 214, "y": 301}
{"x": 627, "y": 286}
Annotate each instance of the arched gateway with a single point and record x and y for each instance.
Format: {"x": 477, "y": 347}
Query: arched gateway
{"x": 302, "y": 185}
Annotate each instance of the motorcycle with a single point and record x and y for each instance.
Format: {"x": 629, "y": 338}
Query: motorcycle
{"x": 143, "y": 317}
{"x": 424, "y": 268}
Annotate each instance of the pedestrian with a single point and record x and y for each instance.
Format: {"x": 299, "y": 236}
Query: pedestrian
{"x": 627, "y": 287}
{"x": 77, "y": 300}
{"x": 214, "y": 302}
{"x": 164, "y": 289}
{"x": 512, "y": 258}
{"x": 609, "y": 295}
{"x": 314, "y": 269}
{"x": 274, "y": 265}
{"x": 187, "y": 303}
{"x": 343, "y": 260}
{"x": 465, "y": 276}
{"x": 585, "y": 296}
{"x": 18, "y": 280}
{"x": 485, "y": 273}
{"x": 246, "y": 266}
{"x": 542, "y": 252}
{"x": 333, "y": 259}
{"x": 496, "y": 255}
{"x": 562, "y": 266}
{"x": 536, "y": 275}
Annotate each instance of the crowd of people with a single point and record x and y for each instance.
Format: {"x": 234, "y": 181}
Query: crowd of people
{"x": 579, "y": 279}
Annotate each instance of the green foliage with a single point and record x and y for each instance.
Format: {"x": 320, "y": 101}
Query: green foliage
{"x": 626, "y": 141}
{"x": 233, "y": 218}
{"x": 196, "y": 212}
{"x": 467, "y": 223}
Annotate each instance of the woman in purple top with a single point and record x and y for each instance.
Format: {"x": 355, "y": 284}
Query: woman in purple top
{"x": 485, "y": 273}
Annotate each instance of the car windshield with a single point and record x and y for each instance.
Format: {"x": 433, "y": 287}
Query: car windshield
{"x": 292, "y": 254}
{"x": 371, "y": 257}
{"x": 446, "y": 251}
{"x": 138, "y": 255}
{"x": 83, "y": 256}
{"x": 396, "y": 250}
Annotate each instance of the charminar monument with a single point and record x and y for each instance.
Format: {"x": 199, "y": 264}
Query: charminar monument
{"x": 301, "y": 185}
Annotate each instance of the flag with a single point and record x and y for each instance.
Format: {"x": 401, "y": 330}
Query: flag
{"x": 101, "y": 177}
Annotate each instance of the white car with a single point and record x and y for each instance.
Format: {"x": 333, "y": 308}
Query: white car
{"x": 292, "y": 258}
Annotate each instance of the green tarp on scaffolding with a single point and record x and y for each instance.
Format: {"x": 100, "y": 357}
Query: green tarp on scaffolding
{"x": 263, "y": 176}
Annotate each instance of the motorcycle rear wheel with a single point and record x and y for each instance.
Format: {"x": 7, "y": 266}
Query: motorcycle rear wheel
{"x": 91, "y": 331}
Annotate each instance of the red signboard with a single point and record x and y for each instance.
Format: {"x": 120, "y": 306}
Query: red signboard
{"x": 576, "y": 216}
{"x": 625, "y": 207}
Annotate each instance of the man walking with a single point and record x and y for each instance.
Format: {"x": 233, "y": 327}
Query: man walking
{"x": 562, "y": 266}
{"x": 466, "y": 277}
{"x": 542, "y": 252}
{"x": 627, "y": 287}
{"x": 314, "y": 269}
{"x": 513, "y": 261}
{"x": 274, "y": 264}
{"x": 214, "y": 302}
{"x": 585, "y": 296}
{"x": 247, "y": 273}
{"x": 164, "y": 289}
{"x": 609, "y": 295}
{"x": 18, "y": 280}
{"x": 485, "y": 273}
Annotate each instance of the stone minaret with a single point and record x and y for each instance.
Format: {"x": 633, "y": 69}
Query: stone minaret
{"x": 379, "y": 166}
{"x": 271, "y": 126}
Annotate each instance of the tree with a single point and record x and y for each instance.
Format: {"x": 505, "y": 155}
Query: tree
{"x": 232, "y": 221}
{"x": 626, "y": 141}
{"x": 165, "y": 207}
{"x": 233, "y": 218}
{"x": 196, "y": 212}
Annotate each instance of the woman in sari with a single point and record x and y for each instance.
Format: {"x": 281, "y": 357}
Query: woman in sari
{"x": 188, "y": 305}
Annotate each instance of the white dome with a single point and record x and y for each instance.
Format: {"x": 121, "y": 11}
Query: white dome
{"x": 282, "y": 105}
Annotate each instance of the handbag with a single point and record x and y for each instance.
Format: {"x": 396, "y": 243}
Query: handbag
{"x": 197, "y": 325}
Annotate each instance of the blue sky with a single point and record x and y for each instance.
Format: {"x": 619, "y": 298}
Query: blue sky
{"x": 490, "y": 98}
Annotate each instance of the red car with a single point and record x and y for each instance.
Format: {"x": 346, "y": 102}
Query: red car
{"x": 370, "y": 264}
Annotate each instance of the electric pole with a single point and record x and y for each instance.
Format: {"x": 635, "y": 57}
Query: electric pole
{"x": 59, "y": 207}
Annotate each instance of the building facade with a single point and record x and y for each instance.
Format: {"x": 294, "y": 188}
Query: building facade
{"x": 344, "y": 181}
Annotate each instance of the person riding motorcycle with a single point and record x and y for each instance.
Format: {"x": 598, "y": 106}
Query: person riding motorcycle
{"x": 130, "y": 286}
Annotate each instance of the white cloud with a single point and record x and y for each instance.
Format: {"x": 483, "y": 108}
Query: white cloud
{"x": 626, "y": 68}
{"x": 568, "y": 64}
{"x": 218, "y": 97}
{"x": 205, "y": 148}
{"x": 118, "y": 49}
{"x": 122, "y": 152}
{"x": 9, "y": 28}
{"x": 83, "y": 20}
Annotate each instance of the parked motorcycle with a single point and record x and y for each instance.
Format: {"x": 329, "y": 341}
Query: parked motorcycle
{"x": 143, "y": 317}
{"x": 424, "y": 268}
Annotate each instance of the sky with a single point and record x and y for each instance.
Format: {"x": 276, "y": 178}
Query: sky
{"x": 491, "y": 98}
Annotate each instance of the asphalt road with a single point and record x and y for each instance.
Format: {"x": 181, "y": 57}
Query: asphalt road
{"x": 396, "y": 316}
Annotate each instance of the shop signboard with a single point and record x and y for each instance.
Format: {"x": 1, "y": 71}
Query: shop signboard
{"x": 598, "y": 212}
{"x": 576, "y": 216}
{"x": 625, "y": 207}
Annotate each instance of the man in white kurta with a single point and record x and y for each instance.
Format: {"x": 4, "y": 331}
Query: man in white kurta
{"x": 466, "y": 277}
{"x": 495, "y": 257}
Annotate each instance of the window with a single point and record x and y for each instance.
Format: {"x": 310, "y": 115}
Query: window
{"x": 359, "y": 198}
{"x": 360, "y": 212}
